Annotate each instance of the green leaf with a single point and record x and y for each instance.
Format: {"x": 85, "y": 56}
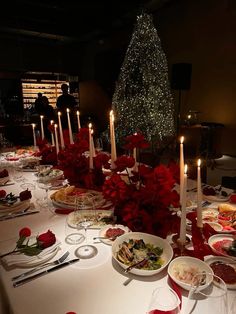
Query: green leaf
{"x": 31, "y": 251}
{"x": 19, "y": 243}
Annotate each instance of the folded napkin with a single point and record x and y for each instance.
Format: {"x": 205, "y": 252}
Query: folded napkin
{"x": 24, "y": 260}
{"x": 18, "y": 206}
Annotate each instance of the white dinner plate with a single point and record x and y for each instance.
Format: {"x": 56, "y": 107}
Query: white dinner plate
{"x": 102, "y": 232}
{"x": 211, "y": 259}
{"x": 24, "y": 261}
{"x": 216, "y": 198}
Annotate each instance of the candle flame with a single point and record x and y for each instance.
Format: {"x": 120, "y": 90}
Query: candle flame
{"x": 185, "y": 169}
{"x": 181, "y": 139}
{"x": 111, "y": 113}
{"x": 55, "y": 125}
{"x": 59, "y": 113}
{"x": 33, "y": 125}
{"x": 67, "y": 110}
{"x": 91, "y": 131}
{"x": 199, "y": 162}
{"x": 77, "y": 112}
{"x": 41, "y": 117}
{"x": 52, "y": 121}
{"x": 90, "y": 125}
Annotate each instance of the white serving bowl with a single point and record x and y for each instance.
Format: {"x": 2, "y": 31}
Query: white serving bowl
{"x": 190, "y": 261}
{"x": 221, "y": 237}
{"x": 147, "y": 238}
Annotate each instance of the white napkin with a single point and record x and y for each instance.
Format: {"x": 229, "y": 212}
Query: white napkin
{"x": 18, "y": 206}
{"x": 24, "y": 260}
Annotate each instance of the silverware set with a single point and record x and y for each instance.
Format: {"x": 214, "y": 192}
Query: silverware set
{"x": 34, "y": 273}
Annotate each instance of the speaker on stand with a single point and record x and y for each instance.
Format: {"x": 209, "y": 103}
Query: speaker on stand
{"x": 180, "y": 81}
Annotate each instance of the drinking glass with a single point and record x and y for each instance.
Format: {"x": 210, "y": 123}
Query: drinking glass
{"x": 86, "y": 210}
{"x": 98, "y": 145}
{"x": 212, "y": 299}
{"x": 164, "y": 300}
{"x": 46, "y": 187}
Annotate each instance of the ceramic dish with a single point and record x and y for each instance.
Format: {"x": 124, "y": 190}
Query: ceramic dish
{"x": 183, "y": 268}
{"x": 99, "y": 217}
{"x": 103, "y": 231}
{"x": 216, "y": 198}
{"x": 218, "y": 241}
{"x": 224, "y": 260}
{"x": 148, "y": 239}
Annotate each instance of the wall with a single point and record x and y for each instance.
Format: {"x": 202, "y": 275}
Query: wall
{"x": 203, "y": 33}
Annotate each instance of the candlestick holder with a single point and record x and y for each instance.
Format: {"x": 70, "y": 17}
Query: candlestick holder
{"x": 178, "y": 246}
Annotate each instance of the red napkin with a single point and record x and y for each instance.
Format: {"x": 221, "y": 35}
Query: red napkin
{"x": 233, "y": 198}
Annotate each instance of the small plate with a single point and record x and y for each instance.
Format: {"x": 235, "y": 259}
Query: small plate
{"x": 221, "y": 237}
{"x": 216, "y": 198}
{"x": 103, "y": 231}
{"x": 211, "y": 259}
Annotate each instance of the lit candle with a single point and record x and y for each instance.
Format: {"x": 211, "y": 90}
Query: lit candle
{"x": 78, "y": 120}
{"x": 93, "y": 147}
{"x": 69, "y": 126}
{"x": 182, "y": 234}
{"x": 34, "y": 135}
{"x": 181, "y": 166}
{"x": 42, "y": 129}
{"x": 52, "y": 136}
{"x": 56, "y": 138}
{"x": 90, "y": 147}
{"x": 199, "y": 195}
{"x": 60, "y": 130}
{"x": 135, "y": 157}
{"x": 112, "y": 139}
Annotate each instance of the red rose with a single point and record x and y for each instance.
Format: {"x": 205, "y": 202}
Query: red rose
{"x": 25, "y": 195}
{"x": 124, "y": 162}
{"x": 4, "y": 173}
{"x": 3, "y": 193}
{"x": 46, "y": 239}
{"x": 136, "y": 141}
{"x": 25, "y": 232}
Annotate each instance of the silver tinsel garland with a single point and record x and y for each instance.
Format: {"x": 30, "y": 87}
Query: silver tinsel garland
{"x": 142, "y": 99}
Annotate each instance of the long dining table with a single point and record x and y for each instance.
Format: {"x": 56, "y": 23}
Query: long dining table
{"x": 90, "y": 286}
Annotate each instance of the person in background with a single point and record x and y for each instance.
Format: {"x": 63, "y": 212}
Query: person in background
{"x": 38, "y": 103}
{"x": 65, "y": 101}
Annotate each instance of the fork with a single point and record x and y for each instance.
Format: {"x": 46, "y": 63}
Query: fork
{"x": 57, "y": 262}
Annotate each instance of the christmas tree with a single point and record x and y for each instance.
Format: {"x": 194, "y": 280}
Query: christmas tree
{"x": 142, "y": 100}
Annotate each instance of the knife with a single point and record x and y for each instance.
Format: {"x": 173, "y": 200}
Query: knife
{"x": 42, "y": 273}
{"x": 5, "y": 217}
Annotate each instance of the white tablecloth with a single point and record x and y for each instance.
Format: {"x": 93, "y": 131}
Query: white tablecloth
{"x": 94, "y": 286}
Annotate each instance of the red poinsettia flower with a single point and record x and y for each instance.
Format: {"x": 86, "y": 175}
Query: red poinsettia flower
{"x": 124, "y": 162}
{"x": 136, "y": 140}
{"x": 101, "y": 161}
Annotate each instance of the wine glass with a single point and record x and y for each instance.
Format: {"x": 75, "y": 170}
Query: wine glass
{"x": 98, "y": 145}
{"x": 85, "y": 208}
{"x": 212, "y": 299}
{"x": 164, "y": 300}
{"x": 46, "y": 187}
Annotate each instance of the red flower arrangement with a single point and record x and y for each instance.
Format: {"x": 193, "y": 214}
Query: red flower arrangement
{"x": 143, "y": 201}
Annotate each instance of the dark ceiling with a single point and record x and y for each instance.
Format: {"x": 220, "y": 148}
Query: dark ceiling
{"x": 67, "y": 20}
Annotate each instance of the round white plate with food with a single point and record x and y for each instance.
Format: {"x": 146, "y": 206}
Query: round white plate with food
{"x": 109, "y": 233}
{"x": 224, "y": 268}
{"x": 222, "y": 244}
